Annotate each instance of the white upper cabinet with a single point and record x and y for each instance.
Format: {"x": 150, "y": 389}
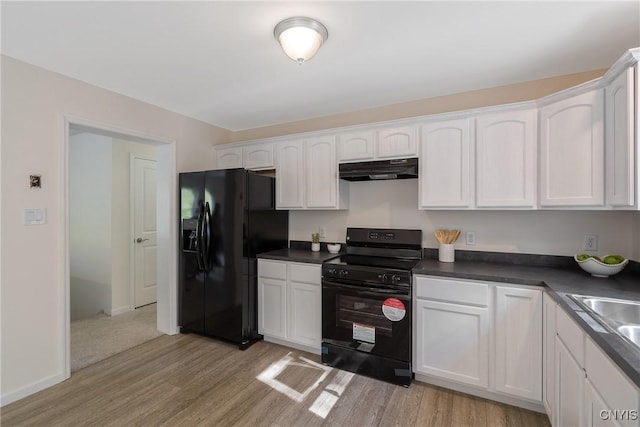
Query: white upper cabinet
{"x": 355, "y": 146}
{"x": 572, "y": 151}
{"x": 620, "y": 146}
{"x": 307, "y": 175}
{"x": 445, "y": 162}
{"x": 397, "y": 142}
{"x": 228, "y": 157}
{"x": 258, "y": 156}
{"x": 290, "y": 176}
{"x": 506, "y": 153}
{"x": 321, "y": 173}
{"x": 255, "y": 156}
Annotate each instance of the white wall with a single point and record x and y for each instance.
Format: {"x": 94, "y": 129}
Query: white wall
{"x": 90, "y": 233}
{"x": 34, "y": 104}
{"x": 121, "y": 242}
{"x": 394, "y": 204}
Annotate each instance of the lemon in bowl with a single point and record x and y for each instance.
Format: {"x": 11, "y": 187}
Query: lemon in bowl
{"x": 606, "y": 266}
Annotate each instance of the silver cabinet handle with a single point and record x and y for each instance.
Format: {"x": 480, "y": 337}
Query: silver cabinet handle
{"x": 140, "y": 240}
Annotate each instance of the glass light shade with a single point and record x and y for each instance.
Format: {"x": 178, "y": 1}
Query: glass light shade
{"x": 300, "y": 38}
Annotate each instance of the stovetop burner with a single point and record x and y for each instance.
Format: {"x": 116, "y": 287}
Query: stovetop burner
{"x": 376, "y": 257}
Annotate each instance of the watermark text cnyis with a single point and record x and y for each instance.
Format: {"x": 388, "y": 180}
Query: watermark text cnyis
{"x": 619, "y": 414}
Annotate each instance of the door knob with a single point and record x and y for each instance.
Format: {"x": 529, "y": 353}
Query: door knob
{"x": 140, "y": 240}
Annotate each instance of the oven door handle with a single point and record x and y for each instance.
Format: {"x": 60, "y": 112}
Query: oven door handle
{"x": 367, "y": 289}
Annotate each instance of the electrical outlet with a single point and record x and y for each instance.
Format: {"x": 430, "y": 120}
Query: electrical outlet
{"x": 322, "y": 231}
{"x": 470, "y": 238}
{"x": 590, "y": 242}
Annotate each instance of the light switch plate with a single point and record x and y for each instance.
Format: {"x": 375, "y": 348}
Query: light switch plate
{"x": 35, "y": 216}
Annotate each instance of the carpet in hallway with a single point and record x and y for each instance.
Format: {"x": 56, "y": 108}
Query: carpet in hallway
{"x": 102, "y": 336}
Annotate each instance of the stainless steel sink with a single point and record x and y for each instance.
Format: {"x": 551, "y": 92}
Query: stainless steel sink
{"x": 620, "y": 316}
{"x": 631, "y": 332}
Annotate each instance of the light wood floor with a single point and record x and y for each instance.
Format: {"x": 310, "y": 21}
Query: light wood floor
{"x": 188, "y": 380}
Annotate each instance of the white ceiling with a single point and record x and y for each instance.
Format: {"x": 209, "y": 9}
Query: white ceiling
{"x": 219, "y": 62}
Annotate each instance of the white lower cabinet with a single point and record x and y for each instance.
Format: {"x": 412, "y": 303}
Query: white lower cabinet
{"x": 610, "y": 398}
{"x": 482, "y": 335}
{"x": 272, "y": 293}
{"x": 518, "y": 329}
{"x": 305, "y": 314}
{"x": 589, "y": 389}
{"x": 289, "y": 303}
{"x": 549, "y": 350}
{"x": 570, "y": 378}
{"x": 463, "y": 332}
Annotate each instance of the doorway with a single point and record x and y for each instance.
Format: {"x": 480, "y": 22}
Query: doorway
{"x": 166, "y": 319}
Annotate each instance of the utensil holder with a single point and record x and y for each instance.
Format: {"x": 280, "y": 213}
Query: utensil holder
{"x": 315, "y": 247}
{"x": 446, "y": 253}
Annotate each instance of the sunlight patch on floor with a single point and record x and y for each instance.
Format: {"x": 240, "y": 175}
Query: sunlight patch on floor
{"x": 297, "y": 377}
{"x": 275, "y": 376}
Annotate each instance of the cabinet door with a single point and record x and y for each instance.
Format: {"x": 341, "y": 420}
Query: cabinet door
{"x": 549, "y": 336}
{"x": 228, "y": 158}
{"x": 290, "y": 175}
{"x": 506, "y": 159}
{"x": 597, "y": 412}
{"x": 518, "y": 328}
{"x": 397, "y": 142}
{"x": 620, "y": 140}
{"x": 321, "y": 173}
{"x": 572, "y": 151}
{"x": 258, "y": 156}
{"x": 355, "y": 146}
{"x": 445, "y": 152}
{"x": 610, "y": 390}
{"x": 272, "y": 306}
{"x": 452, "y": 342}
{"x": 569, "y": 390}
{"x": 305, "y": 315}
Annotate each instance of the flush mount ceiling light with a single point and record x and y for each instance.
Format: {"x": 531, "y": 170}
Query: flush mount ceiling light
{"x": 300, "y": 37}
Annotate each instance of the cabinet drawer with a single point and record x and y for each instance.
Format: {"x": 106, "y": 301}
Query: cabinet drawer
{"x": 272, "y": 269}
{"x": 462, "y": 292}
{"x": 571, "y": 335}
{"x": 608, "y": 380}
{"x": 305, "y": 273}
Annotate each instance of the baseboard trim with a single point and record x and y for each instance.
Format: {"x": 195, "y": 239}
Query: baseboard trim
{"x": 16, "y": 395}
{"x": 485, "y": 394}
{"x": 286, "y": 343}
{"x": 121, "y": 310}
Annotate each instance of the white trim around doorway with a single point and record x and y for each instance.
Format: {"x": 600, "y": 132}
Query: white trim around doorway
{"x": 167, "y": 230}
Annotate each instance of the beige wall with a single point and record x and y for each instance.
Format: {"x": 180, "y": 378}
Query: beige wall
{"x": 394, "y": 204}
{"x": 518, "y": 92}
{"x": 90, "y": 233}
{"x": 34, "y": 103}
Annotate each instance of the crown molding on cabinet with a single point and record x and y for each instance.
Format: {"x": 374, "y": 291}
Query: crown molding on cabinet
{"x": 451, "y": 115}
{"x": 629, "y": 59}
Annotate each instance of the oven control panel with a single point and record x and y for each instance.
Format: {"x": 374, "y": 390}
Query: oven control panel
{"x": 367, "y": 275}
{"x": 382, "y": 235}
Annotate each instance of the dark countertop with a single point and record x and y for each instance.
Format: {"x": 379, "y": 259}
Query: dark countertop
{"x": 298, "y": 255}
{"x": 559, "y": 282}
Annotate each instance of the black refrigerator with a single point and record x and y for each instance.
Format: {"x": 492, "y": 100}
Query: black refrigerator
{"x": 227, "y": 217}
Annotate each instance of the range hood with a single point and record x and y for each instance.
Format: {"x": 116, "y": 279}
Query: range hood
{"x": 383, "y": 169}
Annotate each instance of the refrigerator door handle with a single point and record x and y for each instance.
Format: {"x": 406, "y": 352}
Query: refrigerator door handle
{"x": 199, "y": 226}
{"x": 206, "y": 237}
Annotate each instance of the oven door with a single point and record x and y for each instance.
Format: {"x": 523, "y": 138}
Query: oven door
{"x": 367, "y": 319}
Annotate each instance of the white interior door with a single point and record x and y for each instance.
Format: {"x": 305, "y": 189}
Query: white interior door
{"x": 144, "y": 227}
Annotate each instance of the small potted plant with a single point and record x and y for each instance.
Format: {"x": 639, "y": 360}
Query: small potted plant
{"x": 315, "y": 242}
